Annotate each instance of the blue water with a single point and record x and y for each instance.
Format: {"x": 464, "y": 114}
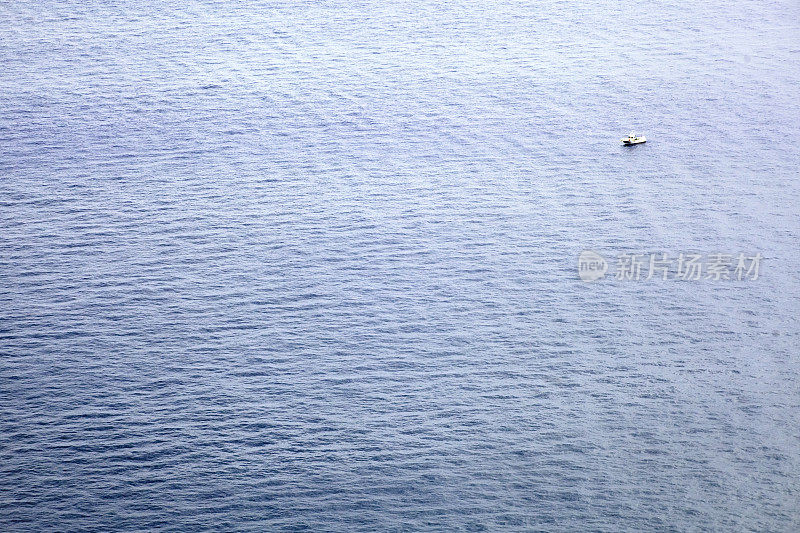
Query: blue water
{"x": 313, "y": 266}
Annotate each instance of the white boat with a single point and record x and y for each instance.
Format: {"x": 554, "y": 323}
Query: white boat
{"x": 633, "y": 139}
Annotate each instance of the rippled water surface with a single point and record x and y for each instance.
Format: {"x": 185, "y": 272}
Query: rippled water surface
{"x": 312, "y": 265}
